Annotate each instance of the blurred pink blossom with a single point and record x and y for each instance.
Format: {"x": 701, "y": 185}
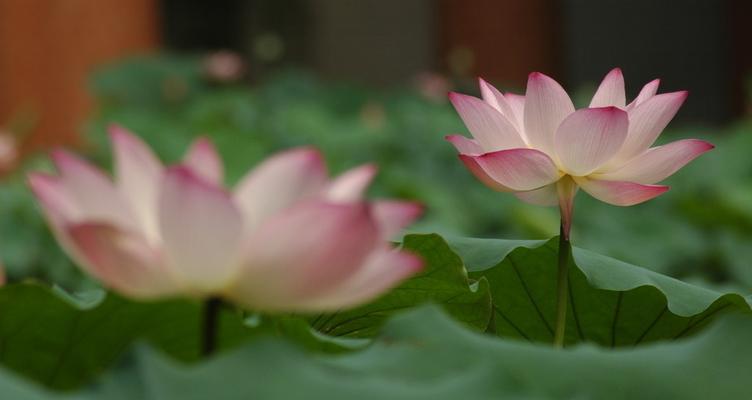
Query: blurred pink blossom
{"x": 433, "y": 86}
{"x": 224, "y": 66}
{"x": 286, "y": 238}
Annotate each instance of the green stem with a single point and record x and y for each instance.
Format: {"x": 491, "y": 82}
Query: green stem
{"x": 210, "y": 323}
{"x": 562, "y": 288}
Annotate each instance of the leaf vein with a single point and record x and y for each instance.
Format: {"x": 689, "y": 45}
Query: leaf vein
{"x": 530, "y": 296}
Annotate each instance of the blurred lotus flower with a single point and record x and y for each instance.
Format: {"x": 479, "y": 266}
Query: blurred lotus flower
{"x": 224, "y": 66}
{"x": 432, "y": 86}
{"x": 8, "y": 151}
{"x": 542, "y": 149}
{"x": 286, "y": 239}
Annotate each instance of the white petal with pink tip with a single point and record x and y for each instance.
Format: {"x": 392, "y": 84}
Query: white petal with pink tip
{"x": 465, "y": 146}
{"x": 383, "y": 270}
{"x": 487, "y": 125}
{"x": 546, "y": 105}
{"x": 495, "y": 99}
{"x": 611, "y": 91}
{"x": 392, "y": 216}
{"x": 647, "y": 91}
{"x": 545, "y": 196}
{"x": 279, "y": 182}
{"x": 351, "y": 185}
{"x": 589, "y": 137}
{"x": 519, "y": 169}
{"x": 201, "y": 229}
{"x": 138, "y": 173}
{"x": 647, "y": 121}
{"x": 658, "y": 163}
{"x": 303, "y": 253}
{"x": 620, "y": 193}
{"x": 123, "y": 260}
{"x": 90, "y": 188}
{"x": 203, "y": 159}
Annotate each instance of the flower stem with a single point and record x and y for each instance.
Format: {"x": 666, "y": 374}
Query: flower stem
{"x": 566, "y": 189}
{"x": 562, "y": 288}
{"x": 210, "y": 323}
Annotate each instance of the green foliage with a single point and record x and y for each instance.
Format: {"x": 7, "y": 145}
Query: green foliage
{"x": 64, "y": 342}
{"x": 700, "y": 230}
{"x": 61, "y": 341}
{"x": 422, "y": 354}
{"x": 611, "y": 303}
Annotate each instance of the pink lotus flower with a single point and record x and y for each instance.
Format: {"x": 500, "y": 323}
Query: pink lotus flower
{"x": 542, "y": 149}
{"x": 287, "y": 238}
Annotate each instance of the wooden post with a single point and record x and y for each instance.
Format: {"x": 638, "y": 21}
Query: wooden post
{"x": 500, "y": 40}
{"x": 48, "y": 48}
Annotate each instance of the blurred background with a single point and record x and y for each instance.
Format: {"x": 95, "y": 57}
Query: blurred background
{"x": 366, "y": 81}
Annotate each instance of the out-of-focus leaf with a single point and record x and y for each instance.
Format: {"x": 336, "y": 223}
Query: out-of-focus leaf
{"x": 423, "y": 354}
{"x": 62, "y": 341}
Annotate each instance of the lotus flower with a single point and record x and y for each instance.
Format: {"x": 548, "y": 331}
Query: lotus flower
{"x": 287, "y": 238}
{"x": 542, "y": 149}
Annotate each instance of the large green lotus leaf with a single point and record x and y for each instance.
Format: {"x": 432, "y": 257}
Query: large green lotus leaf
{"x": 443, "y": 280}
{"x": 62, "y": 341}
{"x": 424, "y": 354}
{"x": 611, "y": 303}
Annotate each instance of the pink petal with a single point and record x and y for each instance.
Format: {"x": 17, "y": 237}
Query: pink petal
{"x": 279, "y": 182}
{"x": 647, "y": 121}
{"x": 472, "y": 164}
{"x": 203, "y": 159}
{"x": 517, "y": 104}
{"x": 58, "y": 206}
{"x": 620, "y": 193}
{"x": 137, "y": 174}
{"x": 393, "y": 216}
{"x": 589, "y": 137}
{"x": 545, "y": 196}
{"x": 55, "y": 200}
{"x": 611, "y": 91}
{"x": 519, "y": 169}
{"x": 546, "y": 105}
{"x": 648, "y": 91}
{"x": 383, "y": 270}
{"x": 351, "y": 185}
{"x": 465, "y": 145}
{"x": 304, "y": 252}
{"x": 659, "y": 163}
{"x": 487, "y": 125}
{"x": 495, "y": 99}
{"x": 201, "y": 229}
{"x": 91, "y": 190}
{"x": 122, "y": 261}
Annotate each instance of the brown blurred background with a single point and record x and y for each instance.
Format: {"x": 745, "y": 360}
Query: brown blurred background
{"x": 49, "y": 47}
